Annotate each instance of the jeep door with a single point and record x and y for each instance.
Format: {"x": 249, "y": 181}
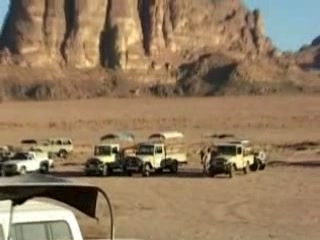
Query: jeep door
{"x": 33, "y": 163}
{"x": 158, "y": 156}
{"x": 241, "y": 162}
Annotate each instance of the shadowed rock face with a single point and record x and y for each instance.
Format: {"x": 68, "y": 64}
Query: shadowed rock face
{"x": 127, "y": 34}
{"x": 87, "y": 22}
{"x": 123, "y": 42}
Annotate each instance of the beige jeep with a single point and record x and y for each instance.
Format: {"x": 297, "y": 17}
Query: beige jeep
{"x": 61, "y": 147}
{"x": 230, "y": 157}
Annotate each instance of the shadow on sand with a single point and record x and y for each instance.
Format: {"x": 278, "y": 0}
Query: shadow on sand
{"x": 183, "y": 173}
{"x": 310, "y": 164}
{"x": 187, "y": 172}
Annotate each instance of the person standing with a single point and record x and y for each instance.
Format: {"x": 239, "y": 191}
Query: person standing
{"x": 206, "y": 161}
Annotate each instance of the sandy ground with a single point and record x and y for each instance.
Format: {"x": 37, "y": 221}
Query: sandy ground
{"x": 282, "y": 202}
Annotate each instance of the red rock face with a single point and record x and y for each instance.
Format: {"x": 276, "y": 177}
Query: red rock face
{"x": 126, "y": 34}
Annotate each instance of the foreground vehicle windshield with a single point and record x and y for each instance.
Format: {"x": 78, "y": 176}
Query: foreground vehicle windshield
{"x": 145, "y": 150}
{"x": 20, "y": 156}
{"x": 227, "y": 150}
{"x": 102, "y": 150}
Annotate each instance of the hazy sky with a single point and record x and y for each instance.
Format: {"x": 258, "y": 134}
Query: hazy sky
{"x": 289, "y": 23}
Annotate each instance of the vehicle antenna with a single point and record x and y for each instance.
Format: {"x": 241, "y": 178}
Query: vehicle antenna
{"x": 12, "y": 205}
{"x": 112, "y": 227}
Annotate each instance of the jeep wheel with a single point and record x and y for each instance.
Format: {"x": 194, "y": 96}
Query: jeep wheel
{"x": 255, "y": 166}
{"x": 174, "y": 167}
{"x": 105, "y": 170}
{"x": 231, "y": 171}
{"x": 159, "y": 171}
{"x": 23, "y": 170}
{"x": 146, "y": 170}
{"x": 44, "y": 168}
{"x": 63, "y": 154}
{"x": 246, "y": 169}
{"x": 211, "y": 173}
{"x": 262, "y": 166}
{"x": 129, "y": 173}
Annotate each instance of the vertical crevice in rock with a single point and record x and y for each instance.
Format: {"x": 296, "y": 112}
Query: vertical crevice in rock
{"x": 167, "y": 28}
{"x": 69, "y": 12}
{"x": 106, "y": 42}
{"x": 54, "y": 29}
{"x": 82, "y": 45}
{"x": 125, "y": 36}
{"x": 143, "y": 8}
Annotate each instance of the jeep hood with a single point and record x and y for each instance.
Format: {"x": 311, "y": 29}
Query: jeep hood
{"x": 145, "y": 158}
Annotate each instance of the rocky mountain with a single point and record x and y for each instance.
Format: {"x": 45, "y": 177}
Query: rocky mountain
{"x": 142, "y": 41}
{"x": 308, "y": 56}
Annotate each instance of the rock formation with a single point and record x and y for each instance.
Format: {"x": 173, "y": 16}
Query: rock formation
{"x": 126, "y": 33}
{"x": 309, "y": 56}
{"x": 193, "y": 47}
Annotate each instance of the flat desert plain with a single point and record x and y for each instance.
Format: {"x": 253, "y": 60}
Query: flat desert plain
{"x": 282, "y": 202}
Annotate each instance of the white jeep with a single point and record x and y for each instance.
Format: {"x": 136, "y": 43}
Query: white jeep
{"x": 25, "y": 162}
{"x": 162, "y": 151}
{"x": 22, "y": 217}
{"x": 61, "y": 147}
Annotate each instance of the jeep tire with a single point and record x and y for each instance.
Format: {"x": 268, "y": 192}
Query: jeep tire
{"x": 262, "y": 166}
{"x": 255, "y": 166}
{"x": 211, "y": 173}
{"x": 44, "y": 168}
{"x": 146, "y": 170}
{"x": 105, "y": 170}
{"x": 174, "y": 167}
{"x": 63, "y": 153}
{"x": 231, "y": 171}
{"x": 246, "y": 169}
{"x": 23, "y": 170}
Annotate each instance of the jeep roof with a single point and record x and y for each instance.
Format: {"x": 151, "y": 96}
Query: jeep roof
{"x": 58, "y": 138}
{"x": 234, "y": 143}
{"x": 106, "y": 144}
{"x": 119, "y": 136}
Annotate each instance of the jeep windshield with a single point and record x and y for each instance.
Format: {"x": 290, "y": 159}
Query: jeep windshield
{"x": 20, "y": 156}
{"x": 145, "y": 150}
{"x": 102, "y": 151}
{"x": 227, "y": 150}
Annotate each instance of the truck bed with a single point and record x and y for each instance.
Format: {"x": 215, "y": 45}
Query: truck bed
{"x": 180, "y": 157}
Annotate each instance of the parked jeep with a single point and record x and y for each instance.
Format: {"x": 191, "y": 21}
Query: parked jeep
{"x": 110, "y": 154}
{"x": 231, "y": 157}
{"x": 162, "y": 151}
{"x": 23, "y": 162}
{"x": 60, "y": 147}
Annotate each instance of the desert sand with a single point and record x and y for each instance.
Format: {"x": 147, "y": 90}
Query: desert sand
{"x": 282, "y": 202}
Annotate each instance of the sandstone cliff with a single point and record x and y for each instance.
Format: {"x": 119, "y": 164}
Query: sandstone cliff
{"x": 127, "y": 34}
{"x": 150, "y": 41}
{"x": 309, "y": 56}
